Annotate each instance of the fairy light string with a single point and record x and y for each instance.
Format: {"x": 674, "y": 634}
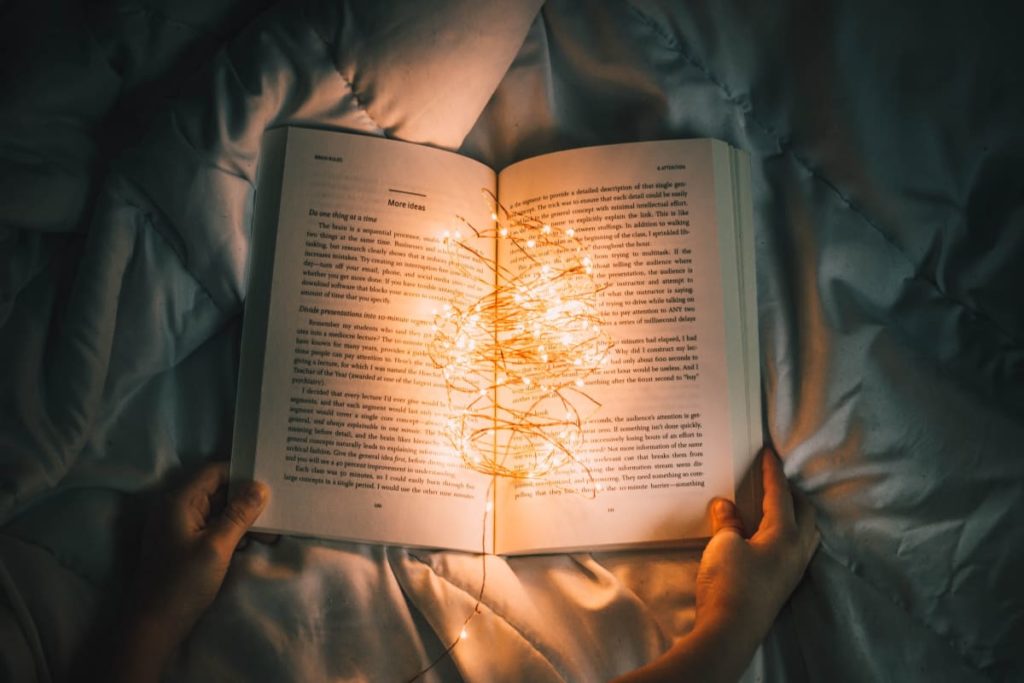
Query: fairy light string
{"x": 516, "y": 359}
{"x": 464, "y": 630}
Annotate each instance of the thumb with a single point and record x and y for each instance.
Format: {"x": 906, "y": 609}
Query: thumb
{"x": 239, "y": 514}
{"x": 725, "y": 516}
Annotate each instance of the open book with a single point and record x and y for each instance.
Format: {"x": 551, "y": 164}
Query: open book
{"x": 341, "y": 411}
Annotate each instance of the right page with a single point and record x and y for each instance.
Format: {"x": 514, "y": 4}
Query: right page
{"x": 667, "y": 227}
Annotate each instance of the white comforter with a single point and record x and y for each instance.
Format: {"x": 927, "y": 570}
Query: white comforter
{"x": 888, "y": 163}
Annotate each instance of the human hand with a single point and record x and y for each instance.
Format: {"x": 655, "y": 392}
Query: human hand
{"x": 187, "y": 546}
{"x": 741, "y": 584}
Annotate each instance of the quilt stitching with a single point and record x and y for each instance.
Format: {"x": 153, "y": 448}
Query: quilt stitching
{"x": 784, "y": 147}
{"x": 747, "y": 108}
{"x": 518, "y": 631}
{"x": 356, "y": 97}
{"x": 154, "y": 219}
{"x": 152, "y": 16}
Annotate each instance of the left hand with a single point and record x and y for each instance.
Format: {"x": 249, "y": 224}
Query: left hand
{"x": 186, "y": 549}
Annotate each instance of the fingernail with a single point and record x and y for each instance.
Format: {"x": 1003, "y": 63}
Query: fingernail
{"x": 720, "y": 508}
{"x": 256, "y": 494}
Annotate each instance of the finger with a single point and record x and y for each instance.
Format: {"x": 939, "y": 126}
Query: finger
{"x": 208, "y": 479}
{"x": 190, "y": 503}
{"x": 724, "y": 516}
{"x": 239, "y": 514}
{"x": 217, "y": 501}
{"x": 777, "y": 505}
{"x": 805, "y": 522}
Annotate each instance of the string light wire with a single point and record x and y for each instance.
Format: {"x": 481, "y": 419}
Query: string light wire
{"x": 516, "y": 360}
{"x": 464, "y": 630}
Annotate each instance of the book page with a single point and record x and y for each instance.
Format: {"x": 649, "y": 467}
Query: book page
{"x": 349, "y": 426}
{"x": 661, "y": 445}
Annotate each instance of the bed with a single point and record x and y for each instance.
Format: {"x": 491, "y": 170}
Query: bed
{"x": 888, "y": 164}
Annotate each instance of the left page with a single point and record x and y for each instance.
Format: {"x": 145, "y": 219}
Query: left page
{"x": 340, "y": 410}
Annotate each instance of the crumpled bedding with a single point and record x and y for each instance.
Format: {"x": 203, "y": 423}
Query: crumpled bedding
{"x": 888, "y": 166}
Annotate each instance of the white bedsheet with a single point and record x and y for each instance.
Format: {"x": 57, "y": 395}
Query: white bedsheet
{"x": 888, "y": 164}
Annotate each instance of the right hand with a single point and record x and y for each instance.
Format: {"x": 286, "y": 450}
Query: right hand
{"x": 743, "y": 583}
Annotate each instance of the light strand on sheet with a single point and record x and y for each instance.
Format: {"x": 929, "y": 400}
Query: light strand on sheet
{"x": 516, "y": 360}
{"x": 464, "y": 630}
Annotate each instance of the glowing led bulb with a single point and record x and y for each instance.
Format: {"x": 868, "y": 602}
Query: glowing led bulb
{"x": 535, "y": 332}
